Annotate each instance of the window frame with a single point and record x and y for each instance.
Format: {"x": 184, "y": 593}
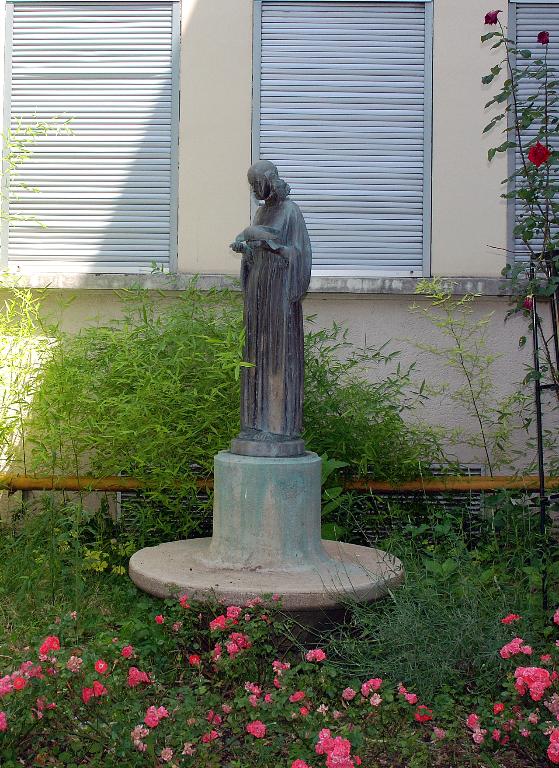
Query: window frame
{"x": 176, "y": 6}
{"x": 427, "y": 208}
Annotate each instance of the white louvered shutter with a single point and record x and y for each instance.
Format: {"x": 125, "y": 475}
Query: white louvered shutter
{"x": 531, "y": 19}
{"x": 107, "y": 192}
{"x": 343, "y": 112}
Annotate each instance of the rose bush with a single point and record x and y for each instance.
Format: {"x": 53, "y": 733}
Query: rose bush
{"x": 201, "y": 689}
{"x": 529, "y": 711}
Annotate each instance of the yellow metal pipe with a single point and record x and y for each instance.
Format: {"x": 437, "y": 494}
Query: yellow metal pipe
{"x": 455, "y": 484}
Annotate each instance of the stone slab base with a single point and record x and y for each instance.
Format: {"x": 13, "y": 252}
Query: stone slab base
{"x": 348, "y": 572}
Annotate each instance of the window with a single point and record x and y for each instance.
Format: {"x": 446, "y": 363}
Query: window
{"x": 106, "y": 198}
{"x": 526, "y": 20}
{"x": 343, "y": 107}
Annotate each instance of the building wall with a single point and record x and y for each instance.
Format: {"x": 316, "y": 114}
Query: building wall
{"x": 469, "y": 217}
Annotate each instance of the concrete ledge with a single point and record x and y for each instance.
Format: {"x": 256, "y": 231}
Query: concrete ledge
{"x": 320, "y": 284}
{"x": 352, "y": 572}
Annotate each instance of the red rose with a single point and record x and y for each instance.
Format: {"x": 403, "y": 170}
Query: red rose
{"x": 423, "y": 714}
{"x": 528, "y": 303}
{"x": 543, "y": 38}
{"x": 491, "y": 17}
{"x": 539, "y": 154}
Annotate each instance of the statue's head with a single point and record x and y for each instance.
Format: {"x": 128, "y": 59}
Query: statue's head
{"x": 265, "y": 181}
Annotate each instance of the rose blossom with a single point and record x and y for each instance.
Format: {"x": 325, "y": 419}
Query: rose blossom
{"x": 510, "y": 618}
{"x": 194, "y": 660}
{"x": 127, "y": 652}
{"x": 316, "y": 654}
{"x": 256, "y": 729}
{"x": 515, "y": 646}
{"x": 74, "y": 663}
{"x": 101, "y": 666}
{"x": 297, "y": 696}
{"x": 535, "y": 680}
{"x": 375, "y": 700}
{"x": 136, "y": 676}
{"x": 371, "y": 685}
{"x": 166, "y": 754}
{"x": 211, "y": 736}
{"x": 543, "y": 38}
{"x": 3, "y": 722}
{"x": 478, "y": 736}
{"x": 233, "y": 612}
{"x": 491, "y": 17}
{"x": 219, "y": 622}
{"x": 50, "y": 643}
{"x": 99, "y": 689}
{"x": 498, "y": 707}
{"x": 423, "y": 714}
{"x": 538, "y": 154}
{"x": 159, "y": 619}
{"x": 472, "y": 721}
{"x": 348, "y": 694}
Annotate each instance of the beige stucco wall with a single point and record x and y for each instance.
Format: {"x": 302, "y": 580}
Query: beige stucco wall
{"x": 468, "y": 214}
{"x": 215, "y": 132}
{"x": 215, "y": 139}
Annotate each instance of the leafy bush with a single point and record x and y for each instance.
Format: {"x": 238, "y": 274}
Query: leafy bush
{"x": 155, "y": 395}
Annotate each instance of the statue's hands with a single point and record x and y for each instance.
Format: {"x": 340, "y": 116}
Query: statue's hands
{"x": 239, "y": 247}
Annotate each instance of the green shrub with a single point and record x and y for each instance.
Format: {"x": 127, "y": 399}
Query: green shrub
{"x": 155, "y": 395}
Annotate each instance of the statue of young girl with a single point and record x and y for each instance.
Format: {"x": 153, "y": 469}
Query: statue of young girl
{"x": 275, "y": 274}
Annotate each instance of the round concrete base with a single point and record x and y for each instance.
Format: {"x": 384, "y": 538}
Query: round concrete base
{"x": 347, "y": 572}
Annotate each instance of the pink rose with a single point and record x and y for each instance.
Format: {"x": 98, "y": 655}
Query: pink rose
{"x": 101, "y": 666}
{"x": 99, "y": 689}
{"x": 315, "y": 655}
{"x": 50, "y": 643}
{"x": 371, "y": 685}
{"x": 297, "y": 696}
{"x": 472, "y": 721}
{"x": 348, "y": 694}
{"x": 256, "y": 729}
{"x": 510, "y": 618}
{"x": 127, "y": 652}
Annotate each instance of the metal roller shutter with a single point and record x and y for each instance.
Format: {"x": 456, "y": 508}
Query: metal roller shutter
{"x": 342, "y": 103}
{"x": 530, "y": 19}
{"x": 106, "y": 193}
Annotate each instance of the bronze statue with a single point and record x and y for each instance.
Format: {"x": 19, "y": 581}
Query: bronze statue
{"x": 275, "y": 274}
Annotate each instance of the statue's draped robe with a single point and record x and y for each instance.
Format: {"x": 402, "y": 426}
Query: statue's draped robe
{"x": 272, "y": 390}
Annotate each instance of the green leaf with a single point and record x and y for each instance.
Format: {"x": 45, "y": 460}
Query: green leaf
{"x": 488, "y": 36}
{"x": 525, "y": 53}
